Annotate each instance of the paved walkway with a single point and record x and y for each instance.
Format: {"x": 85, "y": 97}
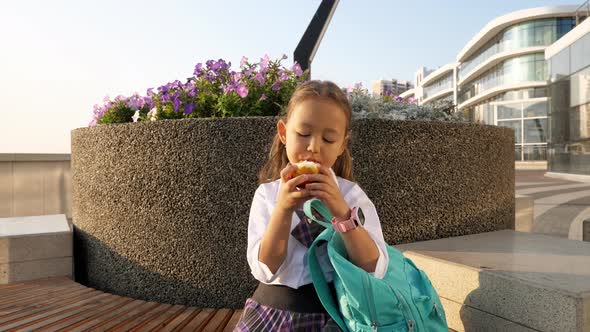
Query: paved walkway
{"x": 560, "y": 205}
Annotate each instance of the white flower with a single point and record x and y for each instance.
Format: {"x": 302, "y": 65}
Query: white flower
{"x": 135, "y": 116}
{"x": 152, "y": 114}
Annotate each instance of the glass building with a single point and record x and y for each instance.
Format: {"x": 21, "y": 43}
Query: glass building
{"x": 569, "y": 95}
{"x": 501, "y": 76}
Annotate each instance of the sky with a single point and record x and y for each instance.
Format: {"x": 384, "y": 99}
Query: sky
{"x": 58, "y": 58}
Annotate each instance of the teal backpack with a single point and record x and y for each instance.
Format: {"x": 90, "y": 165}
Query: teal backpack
{"x": 404, "y": 300}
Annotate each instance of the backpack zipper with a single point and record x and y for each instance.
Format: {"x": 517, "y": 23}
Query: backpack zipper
{"x": 371, "y": 301}
{"x": 404, "y": 306}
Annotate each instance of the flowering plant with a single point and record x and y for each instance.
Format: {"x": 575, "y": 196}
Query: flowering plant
{"x": 393, "y": 107}
{"x": 214, "y": 90}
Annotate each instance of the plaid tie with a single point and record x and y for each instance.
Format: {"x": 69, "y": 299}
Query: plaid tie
{"x": 306, "y": 230}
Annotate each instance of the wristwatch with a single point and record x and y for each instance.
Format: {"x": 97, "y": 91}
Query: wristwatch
{"x": 357, "y": 219}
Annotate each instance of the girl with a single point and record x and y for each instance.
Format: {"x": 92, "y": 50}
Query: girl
{"x": 315, "y": 128}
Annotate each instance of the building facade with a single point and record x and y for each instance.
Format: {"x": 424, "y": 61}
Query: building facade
{"x": 396, "y": 87}
{"x": 500, "y": 77}
{"x": 569, "y": 95}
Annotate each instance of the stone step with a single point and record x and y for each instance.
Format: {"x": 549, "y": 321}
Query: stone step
{"x": 35, "y": 247}
{"x": 508, "y": 280}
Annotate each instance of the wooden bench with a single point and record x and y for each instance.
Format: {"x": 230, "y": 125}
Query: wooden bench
{"x": 60, "y": 304}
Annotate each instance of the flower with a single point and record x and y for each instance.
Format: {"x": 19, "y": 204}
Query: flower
{"x": 260, "y": 78}
{"x": 242, "y": 90}
{"x": 296, "y": 69}
{"x": 264, "y": 63}
{"x": 214, "y": 90}
{"x": 188, "y": 109}
{"x": 198, "y": 69}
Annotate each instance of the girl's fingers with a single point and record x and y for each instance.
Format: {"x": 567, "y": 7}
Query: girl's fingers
{"x": 318, "y": 178}
{"x": 303, "y": 193}
{"x": 324, "y": 170}
{"x": 297, "y": 181}
{"x": 316, "y": 186}
{"x": 287, "y": 172}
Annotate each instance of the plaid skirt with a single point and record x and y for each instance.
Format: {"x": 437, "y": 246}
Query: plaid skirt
{"x": 258, "y": 318}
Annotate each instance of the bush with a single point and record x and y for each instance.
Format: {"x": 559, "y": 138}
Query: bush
{"x": 396, "y": 108}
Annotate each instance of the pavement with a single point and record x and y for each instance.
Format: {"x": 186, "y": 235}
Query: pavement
{"x": 559, "y": 205}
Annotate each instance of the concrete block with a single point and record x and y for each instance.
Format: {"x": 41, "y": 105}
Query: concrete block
{"x": 534, "y": 281}
{"x": 37, "y": 269}
{"x": 35, "y": 247}
{"x": 524, "y": 213}
{"x": 6, "y": 189}
{"x": 465, "y": 318}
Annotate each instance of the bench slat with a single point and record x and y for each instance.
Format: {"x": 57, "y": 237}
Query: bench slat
{"x": 61, "y": 304}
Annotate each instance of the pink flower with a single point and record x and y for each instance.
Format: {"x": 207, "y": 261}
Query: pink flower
{"x": 242, "y": 90}
{"x": 260, "y": 78}
{"x": 264, "y": 63}
{"x": 297, "y": 70}
{"x": 244, "y": 61}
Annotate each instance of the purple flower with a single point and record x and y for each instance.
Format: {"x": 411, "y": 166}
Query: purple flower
{"x": 198, "y": 69}
{"x": 264, "y": 63}
{"x": 398, "y": 99}
{"x": 276, "y": 86}
{"x": 149, "y": 102}
{"x": 163, "y": 89}
{"x": 260, "y": 78}
{"x": 358, "y": 86}
{"x": 387, "y": 93}
{"x": 244, "y": 61}
{"x": 176, "y": 104}
{"x": 284, "y": 57}
{"x": 263, "y": 97}
{"x": 210, "y": 77}
{"x": 241, "y": 90}
{"x": 284, "y": 76}
{"x": 191, "y": 89}
{"x": 296, "y": 69}
{"x": 188, "y": 109}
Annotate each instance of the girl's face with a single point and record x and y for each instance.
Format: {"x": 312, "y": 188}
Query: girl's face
{"x": 315, "y": 131}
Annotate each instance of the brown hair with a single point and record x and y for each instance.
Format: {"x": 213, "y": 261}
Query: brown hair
{"x": 277, "y": 158}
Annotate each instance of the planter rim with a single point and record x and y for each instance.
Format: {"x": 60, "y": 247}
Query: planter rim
{"x": 245, "y": 118}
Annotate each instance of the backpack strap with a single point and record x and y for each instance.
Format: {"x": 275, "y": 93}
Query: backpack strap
{"x": 318, "y": 206}
{"x": 317, "y": 274}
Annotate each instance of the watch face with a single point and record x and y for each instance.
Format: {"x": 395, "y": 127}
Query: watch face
{"x": 361, "y": 216}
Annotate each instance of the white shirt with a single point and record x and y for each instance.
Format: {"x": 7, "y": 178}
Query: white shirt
{"x": 294, "y": 272}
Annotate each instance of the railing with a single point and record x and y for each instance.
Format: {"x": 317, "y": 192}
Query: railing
{"x": 582, "y": 12}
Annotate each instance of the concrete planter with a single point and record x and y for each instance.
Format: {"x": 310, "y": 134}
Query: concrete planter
{"x": 161, "y": 209}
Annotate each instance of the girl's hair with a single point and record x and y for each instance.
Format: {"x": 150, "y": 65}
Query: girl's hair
{"x": 277, "y": 158}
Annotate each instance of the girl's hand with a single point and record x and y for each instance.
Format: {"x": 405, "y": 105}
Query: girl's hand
{"x": 328, "y": 192}
{"x": 290, "y": 198}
